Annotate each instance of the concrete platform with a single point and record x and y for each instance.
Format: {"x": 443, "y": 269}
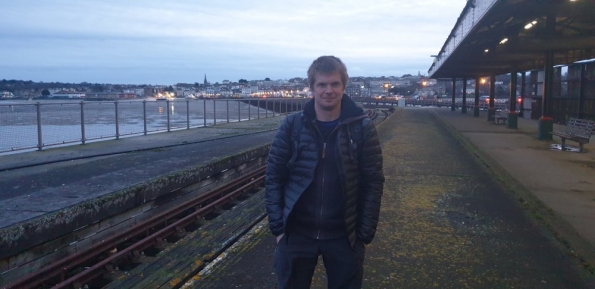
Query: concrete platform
{"x": 563, "y": 181}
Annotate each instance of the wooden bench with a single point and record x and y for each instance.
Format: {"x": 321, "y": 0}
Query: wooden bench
{"x": 501, "y": 115}
{"x": 578, "y": 130}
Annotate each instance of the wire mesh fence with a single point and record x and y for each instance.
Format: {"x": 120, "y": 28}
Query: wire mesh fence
{"x": 18, "y": 127}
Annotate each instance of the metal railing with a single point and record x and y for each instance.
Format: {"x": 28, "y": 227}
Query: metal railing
{"x": 50, "y": 123}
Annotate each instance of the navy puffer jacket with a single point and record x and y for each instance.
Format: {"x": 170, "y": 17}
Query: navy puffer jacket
{"x": 290, "y": 170}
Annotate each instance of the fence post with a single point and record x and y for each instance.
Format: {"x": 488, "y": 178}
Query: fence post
{"x": 214, "y": 112}
{"x": 266, "y": 108}
{"x": 239, "y": 112}
{"x": 249, "y": 106}
{"x": 144, "y": 117}
{"x": 204, "y": 112}
{"x": 227, "y": 109}
{"x": 167, "y": 108}
{"x": 187, "y": 114}
{"x": 117, "y": 121}
{"x": 39, "y": 137}
{"x": 83, "y": 138}
{"x": 258, "y": 107}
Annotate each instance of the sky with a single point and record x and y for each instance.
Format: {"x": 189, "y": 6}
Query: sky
{"x": 167, "y": 42}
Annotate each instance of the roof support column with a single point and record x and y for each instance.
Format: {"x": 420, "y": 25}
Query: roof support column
{"x": 581, "y": 91}
{"x": 464, "y": 104}
{"x": 454, "y": 90}
{"x": 546, "y": 122}
{"x": 491, "y": 107}
{"x": 548, "y": 81}
{"x": 522, "y": 103}
{"x": 476, "y": 102}
{"x": 512, "y": 115}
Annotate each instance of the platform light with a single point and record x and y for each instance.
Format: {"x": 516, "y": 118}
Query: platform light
{"x": 531, "y": 24}
{"x": 503, "y": 40}
{"x": 486, "y": 51}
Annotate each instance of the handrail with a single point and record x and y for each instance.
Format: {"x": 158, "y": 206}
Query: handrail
{"x": 28, "y": 126}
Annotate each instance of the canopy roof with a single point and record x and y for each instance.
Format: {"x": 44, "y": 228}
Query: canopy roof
{"x": 497, "y": 36}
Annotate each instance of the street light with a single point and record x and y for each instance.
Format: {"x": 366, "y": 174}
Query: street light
{"x": 386, "y": 86}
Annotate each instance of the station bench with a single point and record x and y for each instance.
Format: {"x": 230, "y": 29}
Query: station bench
{"x": 501, "y": 115}
{"x": 578, "y": 130}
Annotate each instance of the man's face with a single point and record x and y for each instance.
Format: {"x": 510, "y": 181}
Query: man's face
{"x": 328, "y": 91}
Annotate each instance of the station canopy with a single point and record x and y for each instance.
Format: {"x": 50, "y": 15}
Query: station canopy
{"x": 500, "y": 36}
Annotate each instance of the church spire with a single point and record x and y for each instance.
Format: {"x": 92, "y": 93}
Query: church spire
{"x": 205, "y": 79}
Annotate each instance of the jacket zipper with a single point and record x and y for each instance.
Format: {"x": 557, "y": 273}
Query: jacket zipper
{"x": 322, "y": 188}
{"x": 323, "y": 157}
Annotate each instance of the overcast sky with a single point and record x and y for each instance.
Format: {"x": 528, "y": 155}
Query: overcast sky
{"x": 168, "y": 42}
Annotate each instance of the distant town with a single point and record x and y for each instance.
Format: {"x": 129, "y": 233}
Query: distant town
{"x": 409, "y": 86}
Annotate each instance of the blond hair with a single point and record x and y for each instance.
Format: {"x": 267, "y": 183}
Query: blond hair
{"x": 327, "y": 65}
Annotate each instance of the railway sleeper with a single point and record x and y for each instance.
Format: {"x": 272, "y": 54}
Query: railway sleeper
{"x": 178, "y": 262}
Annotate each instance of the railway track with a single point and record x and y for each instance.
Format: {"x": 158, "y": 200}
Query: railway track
{"x": 81, "y": 270}
{"x": 376, "y": 117}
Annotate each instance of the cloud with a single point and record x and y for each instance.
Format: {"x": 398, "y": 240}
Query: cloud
{"x": 162, "y": 41}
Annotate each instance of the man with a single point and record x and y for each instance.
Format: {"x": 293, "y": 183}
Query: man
{"x": 324, "y": 182}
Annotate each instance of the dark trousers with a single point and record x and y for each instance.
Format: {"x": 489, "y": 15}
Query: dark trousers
{"x": 296, "y": 257}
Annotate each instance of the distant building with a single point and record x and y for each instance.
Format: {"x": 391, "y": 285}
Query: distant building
{"x": 67, "y": 94}
{"x": 137, "y": 91}
{"x": 250, "y": 91}
{"x": 380, "y": 87}
{"x": 209, "y": 92}
{"x": 6, "y": 94}
{"x": 354, "y": 89}
{"x": 403, "y": 82}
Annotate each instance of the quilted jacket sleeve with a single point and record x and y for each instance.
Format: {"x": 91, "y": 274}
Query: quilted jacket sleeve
{"x": 372, "y": 182}
{"x": 277, "y": 175}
